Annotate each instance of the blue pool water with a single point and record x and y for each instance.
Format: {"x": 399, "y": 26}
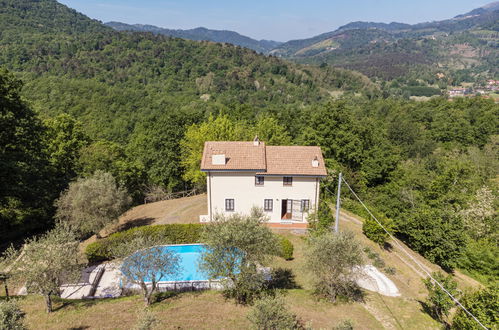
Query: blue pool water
{"x": 189, "y": 260}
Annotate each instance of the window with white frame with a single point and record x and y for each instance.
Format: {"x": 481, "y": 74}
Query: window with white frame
{"x": 268, "y": 204}
{"x": 229, "y": 204}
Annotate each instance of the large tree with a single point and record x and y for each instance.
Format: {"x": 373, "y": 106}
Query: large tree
{"x": 145, "y": 263}
{"x": 46, "y": 262}
{"x": 89, "y": 204}
{"x": 334, "y": 259}
{"x": 236, "y": 247}
{"x": 27, "y": 188}
{"x": 221, "y": 128}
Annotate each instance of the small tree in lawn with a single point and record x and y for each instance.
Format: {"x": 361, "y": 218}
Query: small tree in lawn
{"x": 11, "y": 316}
{"x": 47, "y": 262}
{"x": 236, "y": 247}
{"x": 145, "y": 263}
{"x": 89, "y": 204}
{"x": 438, "y": 301}
{"x": 271, "y": 313}
{"x": 334, "y": 260}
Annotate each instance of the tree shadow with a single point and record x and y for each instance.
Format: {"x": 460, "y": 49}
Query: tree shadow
{"x": 136, "y": 223}
{"x": 172, "y": 295}
{"x": 61, "y": 304}
{"x": 426, "y": 308}
{"x": 83, "y": 327}
{"x": 387, "y": 247}
{"x": 283, "y": 278}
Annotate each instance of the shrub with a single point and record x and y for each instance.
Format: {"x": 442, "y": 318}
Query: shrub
{"x": 374, "y": 232}
{"x": 271, "y": 313}
{"x": 146, "y": 320}
{"x": 484, "y": 304}
{"x": 11, "y": 316}
{"x": 286, "y": 248}
{"x": 438, "y": 302}
{"x": 344, "y": 325}
{"x": 166, "y": 234}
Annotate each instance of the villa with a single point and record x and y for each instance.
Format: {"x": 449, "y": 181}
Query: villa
{"x": 282, "y": 180}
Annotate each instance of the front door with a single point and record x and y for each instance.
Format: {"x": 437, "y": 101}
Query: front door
{"x": 287, "y": 209}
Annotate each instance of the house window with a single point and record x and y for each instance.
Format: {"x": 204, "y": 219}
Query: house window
{"x": 268, "y": 204}
{"x": 259, "y": 180}
{"x": 305, "y": 205}
{"x": 287, "y": 181}
{"x": 229, "y": 205}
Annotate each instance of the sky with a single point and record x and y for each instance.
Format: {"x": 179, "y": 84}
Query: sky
{"x": 280, "y": 20}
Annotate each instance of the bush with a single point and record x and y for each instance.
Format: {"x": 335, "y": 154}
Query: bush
{"x": 167, "y": 234}
{"x": 286, "y": 248}
{"x": 484, "y": 304}
{"x": 11, "y": 316}
{"x": 271, "y": 313}
{"x": 146, "y": 320}
{"x": 438, "y": 302}
{"x": 374, "y": 232}
{"x": 344, "y": 325}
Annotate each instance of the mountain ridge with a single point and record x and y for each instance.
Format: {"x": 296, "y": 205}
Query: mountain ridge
{"x": 201, "y": 34}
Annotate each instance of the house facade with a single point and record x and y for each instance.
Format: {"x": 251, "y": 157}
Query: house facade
{"x": 281, "y": 180}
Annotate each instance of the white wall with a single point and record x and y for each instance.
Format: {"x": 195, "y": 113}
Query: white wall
{"x": 241, "y": 187}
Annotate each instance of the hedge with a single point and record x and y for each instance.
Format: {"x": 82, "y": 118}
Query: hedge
{"x": 168, "y": 234}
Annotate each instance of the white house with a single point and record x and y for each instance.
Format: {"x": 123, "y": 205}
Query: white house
{"x": 282, "y": 180}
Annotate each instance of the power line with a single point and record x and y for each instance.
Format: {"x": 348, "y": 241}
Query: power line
{"x": 413, "y": 259}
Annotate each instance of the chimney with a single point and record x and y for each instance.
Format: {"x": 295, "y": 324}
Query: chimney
{"x": 315, "y": 162}
{"x": 218, "y": 159}
{"x": 256, "y": 141}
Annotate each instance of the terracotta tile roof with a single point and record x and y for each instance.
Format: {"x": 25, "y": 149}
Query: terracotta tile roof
{"x": 238, "y": 155}
{"x": 294, "y": 160}
{"x": 265, "y": 160}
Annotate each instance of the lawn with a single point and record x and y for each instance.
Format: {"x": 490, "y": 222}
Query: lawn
{"x": 209, "y": 309}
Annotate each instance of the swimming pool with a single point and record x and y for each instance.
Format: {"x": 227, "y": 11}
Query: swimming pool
{"x": 189, "y": 255}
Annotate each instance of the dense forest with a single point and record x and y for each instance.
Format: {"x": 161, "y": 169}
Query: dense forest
{"x": 82, "y": 98}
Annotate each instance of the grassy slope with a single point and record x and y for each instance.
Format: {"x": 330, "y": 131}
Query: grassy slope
{"x": 209, "y": 310}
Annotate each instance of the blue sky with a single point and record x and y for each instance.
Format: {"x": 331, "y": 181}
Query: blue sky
{"x": 280, "y": 20}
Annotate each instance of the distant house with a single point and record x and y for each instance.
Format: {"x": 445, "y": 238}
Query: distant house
{"x": 455, "y": 92}
{"x": 282, "y": 180}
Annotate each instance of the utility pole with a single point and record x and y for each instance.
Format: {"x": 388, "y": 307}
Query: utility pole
{"x": 337, "y": 222}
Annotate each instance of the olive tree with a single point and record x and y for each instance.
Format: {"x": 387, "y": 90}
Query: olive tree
{"x": 271, "y": 313}
{"x": 145, "y": 263}
{"x": 89, "y": 204}
{"x": 335, "y": 261}
{"x": 236, "y": 247}
{"x": 47, "y": 262}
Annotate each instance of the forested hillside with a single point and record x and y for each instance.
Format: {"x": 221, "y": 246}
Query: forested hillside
{"x": 201, "y": 33}
{"x": 448, "y": 52}
{"x": 140, "y": 106}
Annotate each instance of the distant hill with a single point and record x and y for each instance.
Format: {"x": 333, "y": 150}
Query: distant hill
{"x": 201, "y": 33}
{"x": 44, "y": 16}
{"x": 112, "y": 80}
{"x": 464, "y": 48}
